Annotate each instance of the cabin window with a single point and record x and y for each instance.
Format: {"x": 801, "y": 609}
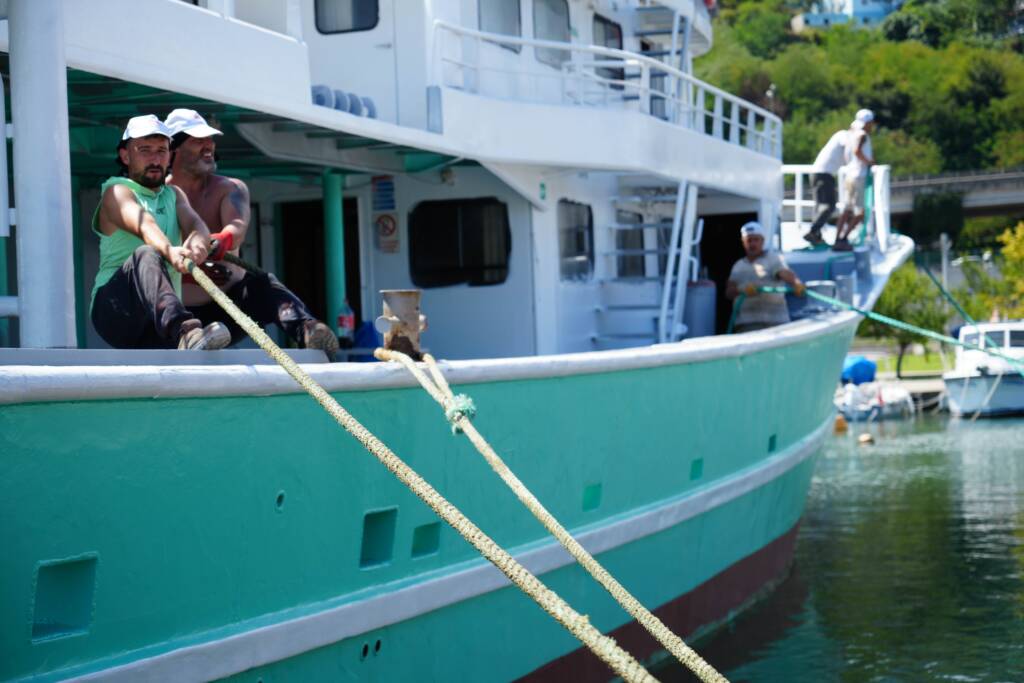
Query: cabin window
{"x": 1017, "y": 338}
{"x": 460, "y": 241}
{"x": 575, "y": 240}
{"x": 971, "y": 339}
{"x": 608, "y": 34}
{"x": 343, "y": 16}
{"x": 501, "y": 16}
{"x": 551, "y": 22}
{"x": 630, "y": 239}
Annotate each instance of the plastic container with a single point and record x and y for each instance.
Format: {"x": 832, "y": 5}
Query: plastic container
{"x": 699, "y": 315}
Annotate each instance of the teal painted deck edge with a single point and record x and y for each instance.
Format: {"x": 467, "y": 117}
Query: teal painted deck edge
{"x": 189, "y": 528}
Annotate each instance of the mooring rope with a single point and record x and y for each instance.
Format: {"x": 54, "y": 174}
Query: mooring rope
{"x": 899, "y": 324}
{"x": 459, "y": 410}
{"x": 988, "y": 340}
{"x": 620, "y": 661}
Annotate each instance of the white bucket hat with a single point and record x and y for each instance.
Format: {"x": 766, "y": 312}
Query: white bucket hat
{"x": 189, "y": 121}
{"x": 144, "y": 126}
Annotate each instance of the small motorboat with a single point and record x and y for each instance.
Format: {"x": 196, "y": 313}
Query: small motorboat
{"x": 983, "y": 384}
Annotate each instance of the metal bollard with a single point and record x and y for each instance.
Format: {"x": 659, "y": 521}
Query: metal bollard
{"x": 402, "y": 323}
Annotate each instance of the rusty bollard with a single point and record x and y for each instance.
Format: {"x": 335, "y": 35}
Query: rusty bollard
{"x": 402, "y": 323}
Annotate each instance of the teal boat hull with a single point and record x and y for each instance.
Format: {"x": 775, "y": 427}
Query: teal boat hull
{"x": 227, "y": 535}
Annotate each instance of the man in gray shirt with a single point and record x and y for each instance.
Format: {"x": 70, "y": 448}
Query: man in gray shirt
{"x": 760, "y": 268}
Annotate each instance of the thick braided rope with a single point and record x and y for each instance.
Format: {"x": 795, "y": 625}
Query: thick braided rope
{"x": 620, "y": 661}
{"x": 441, "y": 392}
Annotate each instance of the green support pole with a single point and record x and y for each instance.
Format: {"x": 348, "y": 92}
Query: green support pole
{"x": 334, "y": 245}
{"x": 5, "y": 337}
{"x": 81, "y": 307}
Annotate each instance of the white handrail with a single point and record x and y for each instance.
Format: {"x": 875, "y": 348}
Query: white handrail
{"x": 880, "y": 229}
{"x": 671, "y": 271}
{"x": 767, "y": 140}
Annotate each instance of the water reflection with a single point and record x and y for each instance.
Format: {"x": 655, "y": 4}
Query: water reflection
{"x": 909, "y": 567}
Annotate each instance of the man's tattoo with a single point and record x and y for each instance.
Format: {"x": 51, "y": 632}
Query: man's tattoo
{"x": 238, "y": 201}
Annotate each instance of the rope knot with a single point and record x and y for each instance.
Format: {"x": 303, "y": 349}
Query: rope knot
{"x": 460, "y": 406}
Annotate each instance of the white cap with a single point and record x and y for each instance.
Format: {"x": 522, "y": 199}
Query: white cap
{"x": 862, "y": 118}
{"x": 144, "y": 126}
{"x": 189, "y": 121}
{"x": 752, "y": 228}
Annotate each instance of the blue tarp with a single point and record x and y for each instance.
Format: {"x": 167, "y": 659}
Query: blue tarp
{"x": 858, "y": 369}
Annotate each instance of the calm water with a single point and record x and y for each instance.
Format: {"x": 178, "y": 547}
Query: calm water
{"x": 909, "y": 566}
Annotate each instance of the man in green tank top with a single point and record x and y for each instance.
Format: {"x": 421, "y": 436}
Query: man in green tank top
{"x": 140, "y": 221}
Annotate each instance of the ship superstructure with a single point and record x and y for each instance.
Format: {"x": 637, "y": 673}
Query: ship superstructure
{"x": 566, "y": 194}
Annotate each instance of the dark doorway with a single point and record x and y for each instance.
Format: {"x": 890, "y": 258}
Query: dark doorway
{"x": 302, "y": 247}
{"x": 720, "y": 248}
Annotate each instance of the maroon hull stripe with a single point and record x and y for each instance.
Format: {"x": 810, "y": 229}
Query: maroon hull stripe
{"x": 708, "y": 603}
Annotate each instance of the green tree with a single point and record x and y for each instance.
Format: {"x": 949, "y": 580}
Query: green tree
{"x": 1011, "y": 301}
{"x": 762, "y": 27}
{"x": 976, "y": 297}
{"x": 731, "y": 67}
{"x": 946, "y": 92}
{"x": 982, "y": 232}
{"x": 935, "y": 213}
{"x": 807, "y": 82}
{"x": 909, "y": 296}
{"x": 906, "y": 154}
{"x": 1008, "y": 148}
{"x": 986, "y": 294}
{"x": 929, "y": 22}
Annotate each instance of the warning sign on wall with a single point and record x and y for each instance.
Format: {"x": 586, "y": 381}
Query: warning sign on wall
{"x": 385, "y": 230}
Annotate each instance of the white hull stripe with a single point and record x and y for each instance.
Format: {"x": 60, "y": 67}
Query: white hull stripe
{"x": 271, "y": 643}
{"x": 43, "y": 383}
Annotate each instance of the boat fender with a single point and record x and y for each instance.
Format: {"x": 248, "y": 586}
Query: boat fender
{"x": 369, "y": 108}
{"x": 323, "y": 96}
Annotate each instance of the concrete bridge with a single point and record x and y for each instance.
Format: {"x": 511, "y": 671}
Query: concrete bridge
{"x": 984, "y": 192}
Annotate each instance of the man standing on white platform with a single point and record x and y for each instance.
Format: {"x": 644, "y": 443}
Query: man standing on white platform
{"x": 826, "y": 165}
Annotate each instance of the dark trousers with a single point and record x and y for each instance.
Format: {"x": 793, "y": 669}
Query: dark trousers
{"x": 825, "y": 197}
{"x": 264, "y": 299}
{"x": 137, "y": 308}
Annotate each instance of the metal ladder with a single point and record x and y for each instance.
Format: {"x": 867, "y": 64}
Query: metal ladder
{"x": 652, "y": 308}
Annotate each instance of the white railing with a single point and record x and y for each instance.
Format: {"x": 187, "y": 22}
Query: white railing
{"x": 280, "y": 17}
{"x": 798, "y": 206}
{"x": 594, "y": 76}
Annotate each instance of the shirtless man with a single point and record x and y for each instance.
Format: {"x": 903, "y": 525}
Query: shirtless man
{"x": 223, "y": 203}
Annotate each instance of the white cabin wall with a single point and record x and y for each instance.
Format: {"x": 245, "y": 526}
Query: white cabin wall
{"x": 567, "y": 313}
{"x": 478, "y": 322}
{"x": 413, "y": 25}
{"x": 361, "y": 62}
{"x": 270, "y": 14}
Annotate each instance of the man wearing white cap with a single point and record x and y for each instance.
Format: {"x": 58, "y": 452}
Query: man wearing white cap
{"x": 136, "y": 300}
{"x": 223, "y": 203}
{"x": 859, "y": 159}
{"x": 759, "y": 268}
